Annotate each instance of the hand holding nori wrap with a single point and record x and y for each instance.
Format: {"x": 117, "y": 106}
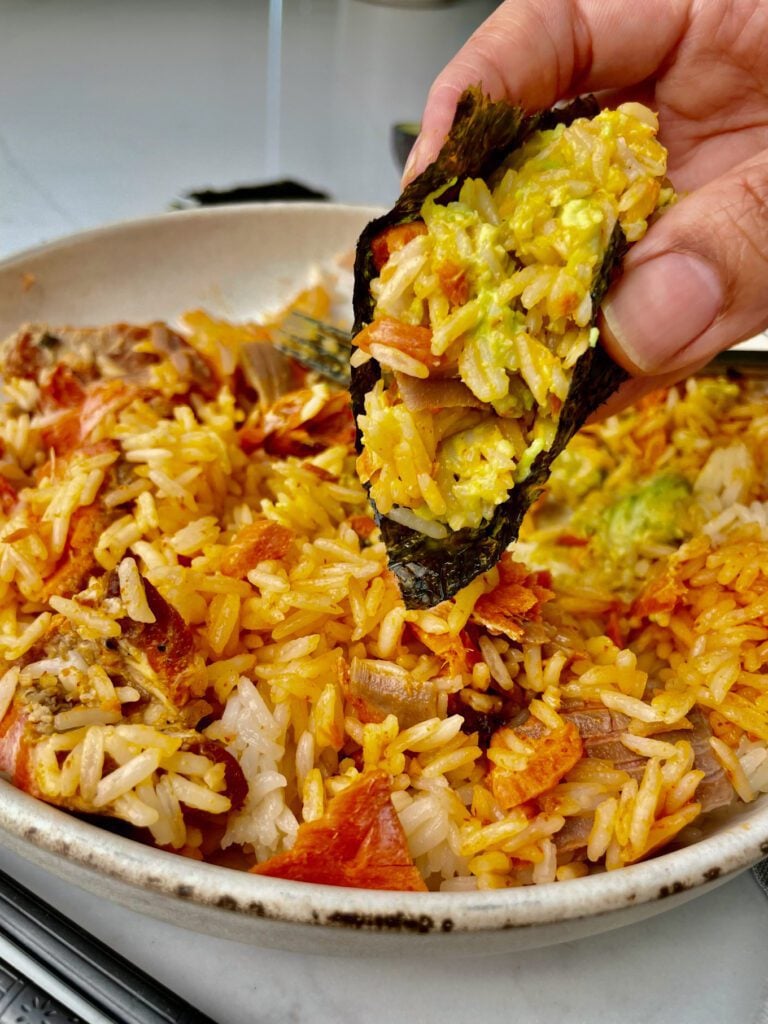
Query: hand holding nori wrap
{"x": 695, "y": 284}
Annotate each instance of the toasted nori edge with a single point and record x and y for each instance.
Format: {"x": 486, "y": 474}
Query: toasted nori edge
{"x": 483, "y": 135}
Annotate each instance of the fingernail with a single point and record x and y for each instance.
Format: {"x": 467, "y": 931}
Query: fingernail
{"x": 660, "y": 308}
{"x": 413, "y": 159}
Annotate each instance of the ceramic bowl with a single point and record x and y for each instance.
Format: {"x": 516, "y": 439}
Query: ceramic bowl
{"x": 235, "y": 261}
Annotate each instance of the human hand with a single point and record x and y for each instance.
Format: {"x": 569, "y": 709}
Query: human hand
{"x": 698, "y": 282}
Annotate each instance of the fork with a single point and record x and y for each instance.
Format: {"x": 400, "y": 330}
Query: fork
{"x": 315, "y": 344}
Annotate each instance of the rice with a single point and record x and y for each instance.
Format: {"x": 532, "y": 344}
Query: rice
{"x": 494, "y": 288}
{"x": 123, "y": 779}
{"x": 8, "y": 684}
{"x": 224, "y": 652}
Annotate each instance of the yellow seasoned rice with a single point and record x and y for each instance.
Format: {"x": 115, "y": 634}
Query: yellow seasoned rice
{"x": 494, "y": 290}
{"x": 652, "y": 539}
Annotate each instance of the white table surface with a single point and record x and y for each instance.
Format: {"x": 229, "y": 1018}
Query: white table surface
{"x": 110, "y": 109}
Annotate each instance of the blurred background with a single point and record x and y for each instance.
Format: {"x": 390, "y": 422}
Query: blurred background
{"x": 115, "y": 108}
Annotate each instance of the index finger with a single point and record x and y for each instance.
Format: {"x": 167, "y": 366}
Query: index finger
{"x": 535, "y": 52}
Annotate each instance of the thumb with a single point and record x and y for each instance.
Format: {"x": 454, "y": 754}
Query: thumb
{"x": 696, "y": 284}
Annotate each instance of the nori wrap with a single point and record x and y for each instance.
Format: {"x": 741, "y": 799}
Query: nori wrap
{"x": 483, "y": 136}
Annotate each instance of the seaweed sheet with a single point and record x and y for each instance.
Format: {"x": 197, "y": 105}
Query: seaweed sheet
{"x": 483, "y": 135}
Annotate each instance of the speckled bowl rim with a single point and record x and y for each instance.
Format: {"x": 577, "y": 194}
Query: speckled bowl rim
{"x": 740, "y": 844}
{"x": 27, "y": 823}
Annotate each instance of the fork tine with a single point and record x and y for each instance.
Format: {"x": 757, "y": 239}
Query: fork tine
{"x": 327, "y": 366}
{"x": 295, "y": 321}
{"x": 316, "y": 345}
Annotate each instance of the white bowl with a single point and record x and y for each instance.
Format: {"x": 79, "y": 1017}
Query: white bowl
{"x": 235, "y": 261}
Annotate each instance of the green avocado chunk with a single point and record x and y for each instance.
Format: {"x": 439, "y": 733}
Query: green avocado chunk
{"x": 652, "y": 513}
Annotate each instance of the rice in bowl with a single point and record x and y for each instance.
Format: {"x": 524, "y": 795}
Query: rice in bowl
{"x": 202, "y": 638}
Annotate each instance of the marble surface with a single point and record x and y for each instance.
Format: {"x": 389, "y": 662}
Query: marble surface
{"x": 109, "y": 110}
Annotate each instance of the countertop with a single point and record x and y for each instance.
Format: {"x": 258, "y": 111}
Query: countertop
{"x": 112, "y": 109}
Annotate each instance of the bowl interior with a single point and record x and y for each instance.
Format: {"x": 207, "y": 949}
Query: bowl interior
{"x": 234, "y": 261}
